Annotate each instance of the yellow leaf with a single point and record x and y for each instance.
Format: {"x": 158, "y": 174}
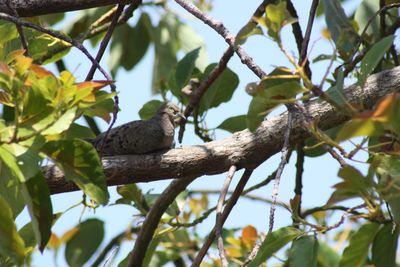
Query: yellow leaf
{"x": 233, "y": 252}
{"x": 22, "y": 63}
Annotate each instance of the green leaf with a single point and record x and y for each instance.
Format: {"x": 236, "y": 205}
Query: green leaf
{"x": 221, "y": 89}
{"x": 190, "y": 40}
{"x": 8, "y": 32}
{"x": 234, "y": 124}
{"x": 317, "y": 151}
{"x": 327, "y": 257}
{"x": 336, "y": 92}
{"x": 359, "y": 127}
{"x": 149, "y": 109}
{"x": 355, "y": 254}
{"x": 62, "y": 123}
{"x": 384, "y": 246}
{"x": 388, "y": 171}
{"x": 373, "y": 57}
{"x": 10, "y": 190}
{"x": 129, "y": 44}
{"x": 259, "y": 108}
{"x": 304, "y": 252}
{"x": 165, "y": 51}
{"x": 81, "y": 164}
{"x": 80, "y": 248}
{"x": 354, "y": 185}
{"x": 27, "y": 234}
{"x": 342, "y": 32}
{"x": 11, "y": 162}
{"x": 11, "y": 243}
{"x": 364, "y": 12}
{"x": 77, "y": 131}
{"x": 273, "y": 242}
{"x": 132, "y": 193}
{"x": 37, "y": 197}
{"x": 185, "y": 67}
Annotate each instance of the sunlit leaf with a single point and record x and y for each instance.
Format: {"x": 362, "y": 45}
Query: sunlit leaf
{"x": 11, "y": 162}
{"x": 11, "y": 243}
{"x": 359, "y": 127}
{"x": 62, "y": 123}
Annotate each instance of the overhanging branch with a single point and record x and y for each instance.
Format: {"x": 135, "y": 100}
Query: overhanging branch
{"x": 31, "y": 8}
{"x": 243, "y": 149}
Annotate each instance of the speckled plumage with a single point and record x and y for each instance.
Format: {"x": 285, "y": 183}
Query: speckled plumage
{"x": 141, "y": 136}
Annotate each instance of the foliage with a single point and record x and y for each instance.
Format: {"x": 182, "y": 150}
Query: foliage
{"x": 39, "y": 127}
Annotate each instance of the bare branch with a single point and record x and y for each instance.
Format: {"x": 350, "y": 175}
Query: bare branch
{"x": 219, "y": 222}
{"x": 152, "y": 220}
{"x": 40, "y": 7}
{"x": 228, "y": 208}
{"x": 282, "y": 164}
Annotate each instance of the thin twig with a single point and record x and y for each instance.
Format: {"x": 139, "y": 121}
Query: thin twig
{"x": 228, "y": 208}
{"x": 217, "y": 71}
{"x": 244, "y": 194}
{"x": 283, "y": 162}
{"x": 104, "y": 42}
{"x": 152, "y": 220}
{"x": 285, "y": 153}
{"x": 19, "y": 29}
{"x": 100, "y": 53}
{"x": 219, "y": 222}
{"x": 298, "y": 189}
{"x": 302, "y": 43}
{"x": 224, "y": 32}
{"x": 307, "y": 35}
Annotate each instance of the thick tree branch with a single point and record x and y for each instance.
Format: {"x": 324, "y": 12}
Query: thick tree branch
{"x": 243, "y": 149}
{"x": 40, "y": 7}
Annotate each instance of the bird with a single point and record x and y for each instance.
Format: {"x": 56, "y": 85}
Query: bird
{"x": 141, "y": 136}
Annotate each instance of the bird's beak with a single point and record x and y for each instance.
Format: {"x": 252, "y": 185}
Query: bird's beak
{"x": 178, "y": 117}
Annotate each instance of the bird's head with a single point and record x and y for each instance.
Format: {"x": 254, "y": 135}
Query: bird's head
{"x": 172, "y": 111}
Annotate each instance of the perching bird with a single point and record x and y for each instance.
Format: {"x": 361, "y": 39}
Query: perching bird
{"x": 141, "y": 136}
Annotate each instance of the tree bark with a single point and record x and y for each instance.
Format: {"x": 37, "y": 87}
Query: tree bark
{"x": 243, "y": 149}
{"x": 29, "y": 8}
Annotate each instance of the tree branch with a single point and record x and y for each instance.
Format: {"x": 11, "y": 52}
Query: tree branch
{"x": 41, "y": 7}
{"x": 243, "y": 149}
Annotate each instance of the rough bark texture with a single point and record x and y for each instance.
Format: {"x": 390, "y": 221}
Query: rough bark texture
{"x": 29, "y": 8}
{"x": 243, "y": 149}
